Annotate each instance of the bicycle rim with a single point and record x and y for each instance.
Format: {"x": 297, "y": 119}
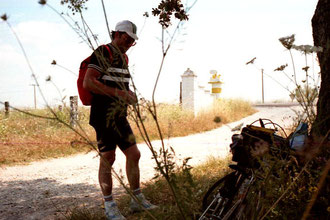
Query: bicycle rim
{"x": 219, "y": 199}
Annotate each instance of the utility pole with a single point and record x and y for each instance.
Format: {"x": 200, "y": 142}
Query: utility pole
{"x": 262, "y": 85}
{"x": 34, "y": 95}
{"x": 262, "y": 79}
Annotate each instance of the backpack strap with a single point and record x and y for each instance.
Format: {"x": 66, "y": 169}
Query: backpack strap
{"x": 110, "y": 53}
{"x": 109, "y": 50}
{"x": 126, "y": 58}
{"x": 125, "y": 55}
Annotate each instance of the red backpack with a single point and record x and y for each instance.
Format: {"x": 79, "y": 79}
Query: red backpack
{"x": 84, "y": 94}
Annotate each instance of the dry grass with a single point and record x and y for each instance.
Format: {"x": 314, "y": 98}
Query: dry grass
{"x": 203, "y": 176}
{"x": 175, "y": 122}
{"x": 158, "y": 192}
{"x": 24, "y": 138}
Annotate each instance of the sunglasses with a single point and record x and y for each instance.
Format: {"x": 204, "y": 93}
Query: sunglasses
{"x": 129, "y": 40}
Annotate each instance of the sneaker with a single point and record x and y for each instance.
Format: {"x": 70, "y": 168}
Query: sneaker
{"x": 112, "y": 212}
{"x": 137, "y": 206}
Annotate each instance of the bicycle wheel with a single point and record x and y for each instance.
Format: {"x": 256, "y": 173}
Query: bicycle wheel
{"x": 219, "y": 199}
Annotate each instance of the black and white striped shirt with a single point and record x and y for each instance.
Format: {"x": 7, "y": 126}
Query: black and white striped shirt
{"x": 113, "y": 69}
{"x": 114, "y": 73}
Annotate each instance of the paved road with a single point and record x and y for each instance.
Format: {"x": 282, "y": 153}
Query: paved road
{"x": 44, "y": 189}
{"x": 279, "y": 105}
{"x": 216, "y": 142}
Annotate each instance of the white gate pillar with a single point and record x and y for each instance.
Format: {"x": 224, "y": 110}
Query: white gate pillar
{"x": 189, "y": 86}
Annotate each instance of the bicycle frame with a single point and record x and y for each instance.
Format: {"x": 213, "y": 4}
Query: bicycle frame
{"x": 230, "y": 205}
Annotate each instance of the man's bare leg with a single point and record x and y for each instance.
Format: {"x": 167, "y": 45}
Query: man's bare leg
{"x": 106, "y": 161}
{"x": 105, "y": 179}
{"x": 132, "y": 166}
{"x": 133, "y": 176}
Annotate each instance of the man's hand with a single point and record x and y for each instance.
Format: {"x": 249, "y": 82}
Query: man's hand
{"x": 127, "y": 96}
{"x": 132, "y": 99}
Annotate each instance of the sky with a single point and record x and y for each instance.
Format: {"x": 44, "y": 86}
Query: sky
{"x": 219, "y": 35}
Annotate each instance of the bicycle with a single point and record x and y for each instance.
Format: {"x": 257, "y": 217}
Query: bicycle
{"x": 225, "y": 199}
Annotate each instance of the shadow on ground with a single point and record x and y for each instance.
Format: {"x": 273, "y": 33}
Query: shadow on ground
{"x": 46, "y": 199}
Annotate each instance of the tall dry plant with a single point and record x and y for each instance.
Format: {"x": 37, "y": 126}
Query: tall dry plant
{"x": 305, "y": 84}
{"x": 306, "y": 90}
{"x": 290, "y": 181}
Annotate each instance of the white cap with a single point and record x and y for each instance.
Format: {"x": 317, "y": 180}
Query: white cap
{"x": 128, "y": 27}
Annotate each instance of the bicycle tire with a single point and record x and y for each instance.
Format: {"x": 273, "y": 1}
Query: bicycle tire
{"x": 218, "y": 200}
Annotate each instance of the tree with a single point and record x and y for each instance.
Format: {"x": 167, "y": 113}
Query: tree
{"x": 321, "y": 35}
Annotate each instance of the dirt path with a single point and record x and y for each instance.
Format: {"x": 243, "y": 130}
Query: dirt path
{"x": 46, "y": 189}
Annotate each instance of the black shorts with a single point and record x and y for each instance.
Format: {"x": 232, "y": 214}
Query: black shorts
{"x": 118, "y": 132}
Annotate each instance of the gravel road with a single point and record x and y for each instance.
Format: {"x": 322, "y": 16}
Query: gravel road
{"x": 46, "y": 189}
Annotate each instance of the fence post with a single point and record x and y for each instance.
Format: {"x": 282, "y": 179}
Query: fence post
{"x": 6, "y": 109}
{"x": 180, "y": 94}
{"x": 73, "y": 110}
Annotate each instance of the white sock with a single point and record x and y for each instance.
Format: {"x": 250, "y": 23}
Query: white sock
{"x": 108, "y": 197}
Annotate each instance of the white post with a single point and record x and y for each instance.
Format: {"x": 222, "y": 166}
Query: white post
{"x": 189, "y": 85}
{"x": 216, "y": 84}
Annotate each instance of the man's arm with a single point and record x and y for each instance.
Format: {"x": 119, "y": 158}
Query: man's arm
{"x": 92, "y": 84}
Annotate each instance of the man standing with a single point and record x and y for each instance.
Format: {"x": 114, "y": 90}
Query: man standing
{"x": 107, "y": 77}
